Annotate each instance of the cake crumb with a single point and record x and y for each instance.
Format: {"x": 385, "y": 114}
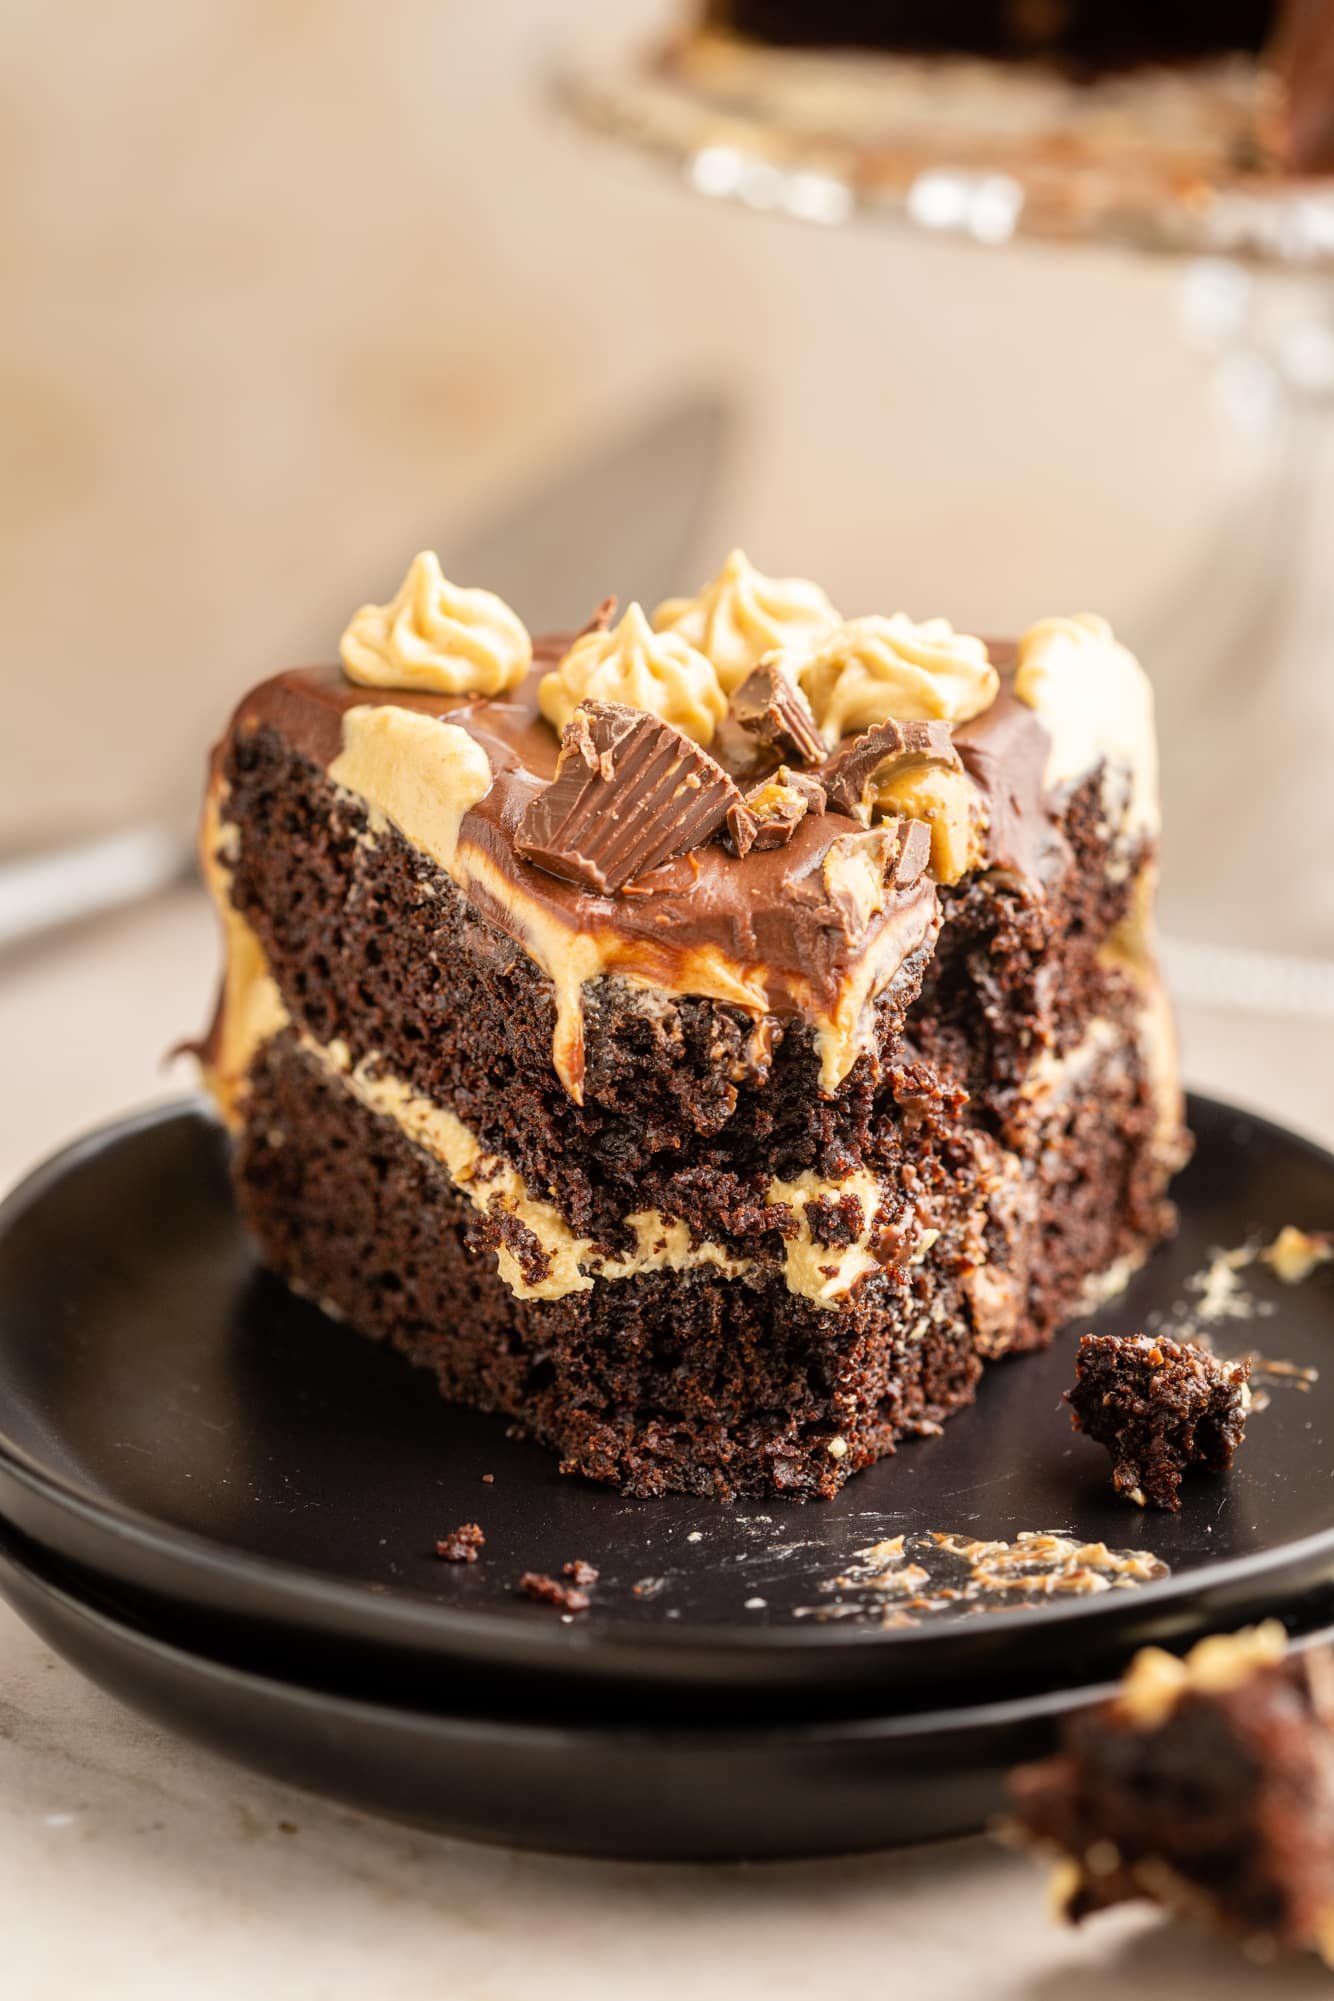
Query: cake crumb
{"x": 546, "y": 1590}
{"x": 1295, "y": 1374}
{"x": 1159, "y": 1407}
{"x": 1218, "y": 1288}
{"x": 1294, "y": 1254}
{"x": 580, "y": 1573}
{"x": 488, "y": 1479}
{"x": 461, "y": 1544}
{"x": 890, "y": 1583}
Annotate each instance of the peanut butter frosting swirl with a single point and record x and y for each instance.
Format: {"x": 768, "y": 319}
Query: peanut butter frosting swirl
{"x": 436, "y": 636}
{"x": 660, "y": 672}
{"x": 874, "y": 669}
{"x": 1096, "y": 704}
{"x": 742, "y": 615}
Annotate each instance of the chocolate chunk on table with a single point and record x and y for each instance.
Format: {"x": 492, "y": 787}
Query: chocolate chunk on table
{"x": 630, "y": 791}
{"x": 1159, "y": 1407}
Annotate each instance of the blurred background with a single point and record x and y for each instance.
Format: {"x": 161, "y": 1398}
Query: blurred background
{"x": 295, "y": 287}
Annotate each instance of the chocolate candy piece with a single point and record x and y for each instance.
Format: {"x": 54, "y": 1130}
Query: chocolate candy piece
{"x": 772, "y": 811}
{"x": 883, "y": 754}
{"x": 601, "y": 619}
{"x": 912, "y": 770}
{"x": 629, "y": 792}
{"x": 772, "y": 708}
{"x": 861, "y": 869}
{"x": 912, "y": 851}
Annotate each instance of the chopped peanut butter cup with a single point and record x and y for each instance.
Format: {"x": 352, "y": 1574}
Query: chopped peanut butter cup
{"x": 861, "y": 870}
{"x": 630, "y": 791}
{"x": 771, "y": 707}
{"x": 771, "y": 812}
{"x": 912, "y": 770}
{"x": 882, "y": 754}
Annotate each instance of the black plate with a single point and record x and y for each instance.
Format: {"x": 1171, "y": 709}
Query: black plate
{"x": 764, "y": 1791}
{"x": 173, "y": 1419}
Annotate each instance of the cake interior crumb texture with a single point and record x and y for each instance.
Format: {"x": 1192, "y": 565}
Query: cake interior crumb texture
{"x": 729, "y": 1181}
{"x": 1160, "y": 1407}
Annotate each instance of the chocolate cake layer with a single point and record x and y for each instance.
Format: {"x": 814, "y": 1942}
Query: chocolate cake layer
{"x": 691, "y": 1382}
{"x": 695, "y": 1382}
{"x": 722, "y": 1173}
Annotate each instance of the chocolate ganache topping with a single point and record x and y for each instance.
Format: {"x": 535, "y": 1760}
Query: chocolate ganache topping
{"x": 758, "y": 930}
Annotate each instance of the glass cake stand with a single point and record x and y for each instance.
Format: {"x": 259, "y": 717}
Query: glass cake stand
{"x": 1163, "y": 163}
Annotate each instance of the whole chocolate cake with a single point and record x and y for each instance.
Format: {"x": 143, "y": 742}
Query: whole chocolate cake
{"x": 705, "y": 1039}
{"x": 1088, "y": 39}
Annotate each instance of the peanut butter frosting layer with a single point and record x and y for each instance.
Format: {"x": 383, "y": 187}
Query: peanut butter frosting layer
{"x": 770, "y": 931}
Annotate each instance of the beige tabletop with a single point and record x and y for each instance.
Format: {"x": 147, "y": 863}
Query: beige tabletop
{"x": 132, "y": 1864}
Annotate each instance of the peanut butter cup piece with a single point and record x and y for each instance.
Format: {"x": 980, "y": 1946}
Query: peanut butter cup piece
{"x": 771, "y": 812}
{"x": 912, "y": 771}
{"x": 881, "y": 755}
{"x": 771, "y": 707}
{"x": 861, "y": 870}
{"x": 630, "y": 792}
{"x": 600, "y": 620}
{"x": 912, "y": 852}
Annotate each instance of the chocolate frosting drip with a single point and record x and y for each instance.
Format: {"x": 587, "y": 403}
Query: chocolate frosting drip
{"x": 768, "y": 912}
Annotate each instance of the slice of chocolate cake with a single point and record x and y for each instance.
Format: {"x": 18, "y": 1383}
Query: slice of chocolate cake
{"x": 1206, "y": 1786}
{"x": 1087, "y": 40}
{"x": 707, "y": 1068}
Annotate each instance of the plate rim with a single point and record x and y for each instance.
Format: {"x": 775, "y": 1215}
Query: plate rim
{"x": 394, "y": 1616}
{"x": 858, "y": 1727}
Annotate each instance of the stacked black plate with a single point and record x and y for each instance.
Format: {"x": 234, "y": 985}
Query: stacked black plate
{"x": 224, "y": 1508}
